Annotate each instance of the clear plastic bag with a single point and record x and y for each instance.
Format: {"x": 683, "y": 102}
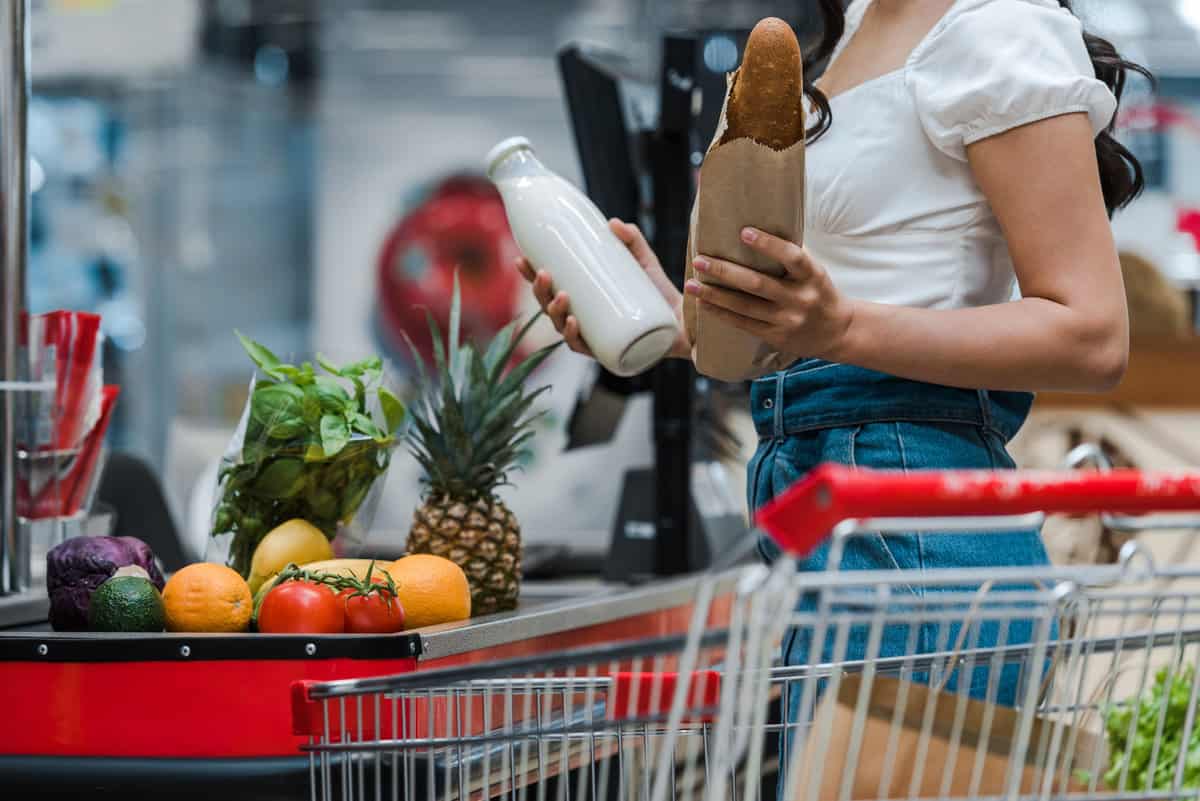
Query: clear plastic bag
{"x": 312, "y": 446}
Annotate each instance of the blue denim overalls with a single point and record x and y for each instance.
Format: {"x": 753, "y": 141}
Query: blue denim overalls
{"x": 817, "y": 411}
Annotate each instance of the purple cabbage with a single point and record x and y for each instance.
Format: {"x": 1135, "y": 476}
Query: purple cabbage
{"x": 78, "y": 566}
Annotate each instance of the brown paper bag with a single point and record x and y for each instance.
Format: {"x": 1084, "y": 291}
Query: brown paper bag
{"x": 741, "y": 183}
{"x": 921, "y": 759}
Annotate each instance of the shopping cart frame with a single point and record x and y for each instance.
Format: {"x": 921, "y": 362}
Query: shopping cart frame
{"x": 844, "y": 503}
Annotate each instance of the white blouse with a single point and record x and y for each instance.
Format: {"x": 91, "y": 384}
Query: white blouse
{"x": 893, "y": 210}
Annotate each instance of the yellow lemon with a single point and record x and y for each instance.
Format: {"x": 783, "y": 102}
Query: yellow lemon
{"x": 294, "y": 542}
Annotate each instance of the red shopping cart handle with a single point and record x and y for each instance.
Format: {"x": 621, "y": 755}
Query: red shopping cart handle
{"x": 805, "y": 514}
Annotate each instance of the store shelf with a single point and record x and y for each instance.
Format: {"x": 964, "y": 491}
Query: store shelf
{"x": 23, "y": 609}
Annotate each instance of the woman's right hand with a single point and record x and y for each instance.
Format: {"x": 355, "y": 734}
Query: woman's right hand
{"x": 557, "y": 305}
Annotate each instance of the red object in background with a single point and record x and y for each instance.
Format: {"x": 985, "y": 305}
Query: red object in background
{"x": 84, "y": 476}
{"x": 1158, "y": 117}
{"x": 57, "y": 484}
{"x": 1188, "y": 222}
{"x": 637, "y": 696}
{"x": 62, "y": 431}
{"x": 460, "y": 226}
{"x": 72, "y": 340}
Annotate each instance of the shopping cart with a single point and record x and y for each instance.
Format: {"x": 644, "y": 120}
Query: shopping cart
{"x": 578, "y": 724}
{"x": 963, "y": 683}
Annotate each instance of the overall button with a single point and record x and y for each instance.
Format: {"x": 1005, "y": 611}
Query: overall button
{"x": 769, "y": 403}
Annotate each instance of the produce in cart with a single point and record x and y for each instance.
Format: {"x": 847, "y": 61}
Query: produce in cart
{"x": 305, "y": 601}
{"x": 127, "y": 603}
{"x": 468, "y": 431}
{"x": 309, "y": 447}
{"x": 294, "y": 542}
{"x": 433, "y": 590}
{"x": 204, "y": 597}
{"x": 428, "y": 590}
{"x": 1132, "y": 726}
{"x": 77, "y": 567}
{"x": 328, "y": 567}
{"x": 301, "y": 606}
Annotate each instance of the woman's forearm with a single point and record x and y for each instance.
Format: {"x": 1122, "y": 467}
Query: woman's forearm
{"x": 1031, "y": 344}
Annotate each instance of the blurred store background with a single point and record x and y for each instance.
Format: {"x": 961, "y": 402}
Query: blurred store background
{"x": 308, "y": 172}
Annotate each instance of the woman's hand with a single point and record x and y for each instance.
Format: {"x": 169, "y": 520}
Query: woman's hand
{"x": 558, "y": 306}
{"x": 799, "y": 314}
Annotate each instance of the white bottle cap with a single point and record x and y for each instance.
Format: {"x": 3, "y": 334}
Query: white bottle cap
{"x": 503, "y": 149}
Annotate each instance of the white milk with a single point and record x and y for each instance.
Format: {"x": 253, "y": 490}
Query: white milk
{"x": 623, "y": 318}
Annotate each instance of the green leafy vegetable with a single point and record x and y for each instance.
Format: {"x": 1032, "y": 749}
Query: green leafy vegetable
{"x": 1132, "y": 728}
{"x": 312, "y": 449}
{"x": 393, "y": 410}
{"x": 264, "y": 358}
{"x": 335, "y": 434}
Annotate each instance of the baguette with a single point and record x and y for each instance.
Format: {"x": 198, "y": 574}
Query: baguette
{"x": 766, "y": 100}
{"x": 752, "y": 173}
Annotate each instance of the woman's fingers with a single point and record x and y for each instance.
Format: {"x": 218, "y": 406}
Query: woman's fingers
{"x": 543, "y": 289}
{"x": 632, "y": 237}
{"x": 749, "y": 324}
{"x": 558, "y": 309}
{"x": 737, "y": 276}
{"x": 793, "y": 258}
{"x": 556, "y": 306}
{"x": 740, "y": 303}
{"x": 573, "y": 337}
{"x": 526, "y": 269}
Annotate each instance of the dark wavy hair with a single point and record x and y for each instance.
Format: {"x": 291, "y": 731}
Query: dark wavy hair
{"x": 1121, "y": 175}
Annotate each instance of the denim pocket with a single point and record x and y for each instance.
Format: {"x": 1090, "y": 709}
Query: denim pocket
{"x": 884, "y": 446}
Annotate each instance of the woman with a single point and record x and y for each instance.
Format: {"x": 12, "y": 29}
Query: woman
{"x": 960, "y": 149}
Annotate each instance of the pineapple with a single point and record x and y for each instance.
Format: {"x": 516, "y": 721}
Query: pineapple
{"x": 469, "y": 429}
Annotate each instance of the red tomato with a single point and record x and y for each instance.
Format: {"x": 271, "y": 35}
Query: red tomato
{"x": 301, "y": 607}
{"x": 377, "y": 613}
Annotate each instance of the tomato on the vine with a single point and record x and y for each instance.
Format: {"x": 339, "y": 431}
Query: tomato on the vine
{"x": 302, "y": 607}
{"x": 376, "y": 612}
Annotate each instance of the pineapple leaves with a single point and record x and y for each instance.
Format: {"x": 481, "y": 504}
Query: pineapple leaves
{"x": 498, "y": 351}
{"x": 423, "y": 379}
{"x": 439, "y": 352}
{"x": 472, "y": 423}
{"x": 503, "y": 358}
{"x": 516, "y": 377}
{"x": 455, "y": 321}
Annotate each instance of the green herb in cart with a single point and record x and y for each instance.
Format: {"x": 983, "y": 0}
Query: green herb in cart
{"x": 312, "y": 445}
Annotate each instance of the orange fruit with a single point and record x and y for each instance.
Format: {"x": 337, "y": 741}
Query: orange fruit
{"x": 431, "y": 589}
{"x": 207, "y": 597}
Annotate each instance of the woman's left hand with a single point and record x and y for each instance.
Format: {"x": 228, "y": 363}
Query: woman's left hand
{"x": 800, "y": 313}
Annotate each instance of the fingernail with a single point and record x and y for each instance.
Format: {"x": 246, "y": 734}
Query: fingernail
{"x": 692, "y": 287}
{"x": 701, "y": 264}
{"x": 749, "y": 235}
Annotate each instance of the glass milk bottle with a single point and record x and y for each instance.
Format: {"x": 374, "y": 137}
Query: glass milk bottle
{"x": 623, "y": 318}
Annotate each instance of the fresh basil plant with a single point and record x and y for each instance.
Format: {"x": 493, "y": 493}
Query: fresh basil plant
{"x": 313, "y": 447}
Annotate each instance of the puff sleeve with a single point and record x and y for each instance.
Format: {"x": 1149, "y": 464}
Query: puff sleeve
{"x": 994, "y": 65}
